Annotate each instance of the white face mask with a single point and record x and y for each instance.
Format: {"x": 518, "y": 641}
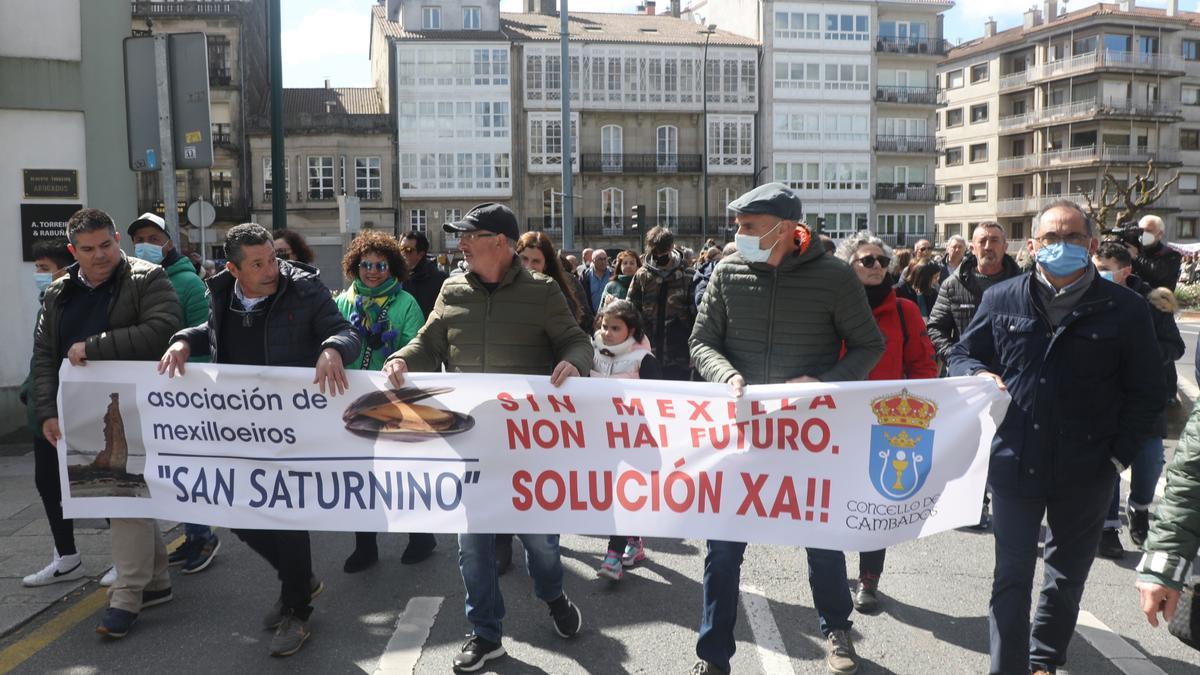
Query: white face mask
{"x": 751, "y": 247}
{"x": 1148, "y": 239}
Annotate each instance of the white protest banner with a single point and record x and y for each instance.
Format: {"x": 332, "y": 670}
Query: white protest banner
{"x": 853, "y": 466}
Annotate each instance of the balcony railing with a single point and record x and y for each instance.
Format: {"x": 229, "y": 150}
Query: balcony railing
{"x": 1014, "y": 122}
{"x": 604, "y": 226}
{"x": 1106, "y": 59}
{"x": 641, "y": 163}
{"x": 901, "y": 192}
{"x": 222, "y": 134}
{"x": 219, "y": 77}
{"x": 1125, "y": 107}
{"x": 188, "y": 7}
{"x": 913, "y": 95}
{"x": 369, "y": 195}
{"x": 1020, "y": 205}
{"x": 889, "y": 143}
{"x": 1014, "y": 80}
{"x": 1086, "y": 154}
{"x": 898, "y": 45}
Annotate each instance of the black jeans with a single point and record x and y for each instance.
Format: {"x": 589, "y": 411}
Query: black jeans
{"x": 289, "y": 552}
{"x": 870, "y": 564}
{"x": 45, "y": 477}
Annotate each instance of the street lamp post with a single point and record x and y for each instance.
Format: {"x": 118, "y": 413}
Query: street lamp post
{"x": 707, "y": 33}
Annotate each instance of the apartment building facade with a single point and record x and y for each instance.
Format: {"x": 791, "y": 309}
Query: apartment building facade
{"x": 849, "y": 97}
{"x": 337, "y": 142}
{"x": 1043, "y": 110}
{"x": 639, "y": 119}
{"x": 238, "y": 80}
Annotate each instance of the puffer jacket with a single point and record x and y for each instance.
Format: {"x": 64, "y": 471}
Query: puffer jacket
{"x": 1175, "y": 534}
{"x": 302, "y": 321}
{"x": 773, "y": 324}
{"x": 662, "y": 295}
{"x": 189, "y": 287}
{"x": 523, "y": 327}
{"x": 1083, "y": 394}
{"x": 142, "y": 314}
{"x": 957, "y": 301}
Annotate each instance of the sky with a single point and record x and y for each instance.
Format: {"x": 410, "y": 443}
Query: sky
{"x": 330, "y": 38}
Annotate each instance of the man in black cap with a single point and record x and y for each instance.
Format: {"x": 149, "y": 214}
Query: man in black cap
{"x": 152, "y": 244}
{"x": 499, "y": 318}
{"x": 779, "y": 310}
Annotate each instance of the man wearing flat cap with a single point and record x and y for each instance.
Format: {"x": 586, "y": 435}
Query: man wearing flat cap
{"x": 499, "y": 318}
{"x": 779, "y": 310}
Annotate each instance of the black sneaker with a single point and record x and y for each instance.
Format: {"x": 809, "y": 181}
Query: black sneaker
{"x": 363, "y": 557}
{"x": 183, "y": 551}
{"x": 1110, "y": 545}
{"x": 420, "y": 546}
{"x": 476, "y": 651}
{"x": 567, "y": 617}
{"x": 116, "y": 623}
{"x": 154, "y": 598}
{"x": 202, "y": 555}
{"x": 1139, "y": 525}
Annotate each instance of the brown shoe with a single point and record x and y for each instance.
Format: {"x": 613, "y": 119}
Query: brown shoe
{"x": 839, "y": 653}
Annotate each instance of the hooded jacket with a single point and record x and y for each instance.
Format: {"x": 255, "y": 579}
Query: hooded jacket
{"x": 301, "y": 322}
{"x": 1174, "y": 537}
{"x": 662, "y": 296}
{"x": 773, "y": 324}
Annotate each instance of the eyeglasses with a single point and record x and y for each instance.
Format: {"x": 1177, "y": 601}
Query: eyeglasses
{"x": 869, "y": 261}
{"x": 408, "y": 249}
{"x": 367, "y": 266}
{"x": 1075, "y": 239}
{"x": 472, "y": 236}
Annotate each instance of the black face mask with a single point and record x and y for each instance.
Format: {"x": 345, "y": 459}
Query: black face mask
{"x": 662, "y": 260}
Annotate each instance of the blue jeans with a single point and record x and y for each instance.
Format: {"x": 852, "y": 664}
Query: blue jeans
{"x": 197, "y": 531}
{"x": 1143, "y": 479}
{"x": 477, "y": 563}
{"x": 722, "y": 578}
{"x": 1074, "y": 521}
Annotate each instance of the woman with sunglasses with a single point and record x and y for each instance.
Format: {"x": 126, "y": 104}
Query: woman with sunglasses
{"x": 908, "y": 356}
{"x": 386, "y": 317}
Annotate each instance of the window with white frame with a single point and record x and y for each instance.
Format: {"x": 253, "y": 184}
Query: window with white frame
{"x": 730, "y": 141}
{"x": 368, "y": 178}
{"x": 799, "y": 175}
{"x": 978, "y": 192}
{"x": 490, "y": 66}
{"x": 320, "y": 178}
{"x": 267, "y": 183}
{"x": 551, "y": 210}
{"x": 901, "y": 126}
{"x": 667, "y": 152}
{"x": 853, "y": 27}
{"x": 912, "y": 224}
{"x": 431, "y": 18}
{"x": 903, "y": 175}
{"x": 451, "y": 67}
{"x": 668, "y": 207}
{"x": 728, "y": 196}
{"x": 455, "y": 119}
{"x": 843, "y": 176}
{"x": 1188, "y": 183}
{"x": 222, "y": 188}
{"x": 455, "y": 172}
{"x": 612, "y": 210}
{"x": 471, "y": 18}
{"x": 841, "y": 224}
{"x": 545, "y": 141}
{"x": 417, "y": 221}
{"x": 796, "y": 75}
{"x": 797, "y": 127}
{"x": 612, "y": 147}
{"x": 798, "y": 25}
{"x": 1189, "y": 94}
{"x": 846, "y": 77}
{"x": 842, "y": 129}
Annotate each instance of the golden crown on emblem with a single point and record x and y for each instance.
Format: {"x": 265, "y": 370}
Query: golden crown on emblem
{"x": 904, "y": 410}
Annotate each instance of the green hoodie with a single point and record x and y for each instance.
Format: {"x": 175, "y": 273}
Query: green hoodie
{"x": 193, "y": 294}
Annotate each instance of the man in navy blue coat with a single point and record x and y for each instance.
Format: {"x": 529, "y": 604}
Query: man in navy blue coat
{"x": 1079, "y": 357}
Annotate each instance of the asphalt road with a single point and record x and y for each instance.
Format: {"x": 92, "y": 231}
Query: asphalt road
{"x": 934, "y": 614}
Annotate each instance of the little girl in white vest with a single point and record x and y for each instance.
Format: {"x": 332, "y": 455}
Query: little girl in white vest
{"x": 621, "y": 350}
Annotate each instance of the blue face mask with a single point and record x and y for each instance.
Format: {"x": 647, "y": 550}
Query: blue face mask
{"x": 1106, "y": 275}
{"x": 1062, "y": 259}
{"x": 43, "y": 280}
{"x": 148, "y": 252}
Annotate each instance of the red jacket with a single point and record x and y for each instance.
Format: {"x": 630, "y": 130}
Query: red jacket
{"x": 903, "y": 360}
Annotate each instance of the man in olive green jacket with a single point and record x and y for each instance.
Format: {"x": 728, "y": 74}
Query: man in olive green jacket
{"x": 1175, "y": 534}
{"x": 779, "y": 310}
{"x": 499, "y": 318}
{"x": 108, "y": 308}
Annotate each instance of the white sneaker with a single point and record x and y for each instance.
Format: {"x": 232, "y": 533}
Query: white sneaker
{"x": 109, "y": 578}
{"x": 65, "y": 568}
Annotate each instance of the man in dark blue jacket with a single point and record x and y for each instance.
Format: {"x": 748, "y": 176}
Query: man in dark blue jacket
{"x": 268, "y": 312}
{"x": 1079, "y": 357}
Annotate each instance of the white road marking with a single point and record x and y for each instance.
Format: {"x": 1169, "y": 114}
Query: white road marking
{"x": 1110, "y": 645}
{"x": 412, "y": 629}
{"x": 771, "y": 650}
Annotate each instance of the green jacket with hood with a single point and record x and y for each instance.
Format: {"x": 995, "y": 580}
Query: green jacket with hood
{"x": 1175, "y": 535}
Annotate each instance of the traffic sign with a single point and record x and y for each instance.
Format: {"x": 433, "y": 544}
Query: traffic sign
{"x": 201, "y": 214}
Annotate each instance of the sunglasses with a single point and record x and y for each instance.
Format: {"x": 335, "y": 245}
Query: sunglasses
{"x": 367, "y": 266}
{"x": 870, "y": 260}
{"x": 408, "y": 249}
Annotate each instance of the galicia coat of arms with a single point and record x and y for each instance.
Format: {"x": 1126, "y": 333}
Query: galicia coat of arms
{"x": 901, "y": 444}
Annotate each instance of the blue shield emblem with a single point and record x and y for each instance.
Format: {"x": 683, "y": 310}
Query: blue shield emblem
{"x": 901, "y": 458}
